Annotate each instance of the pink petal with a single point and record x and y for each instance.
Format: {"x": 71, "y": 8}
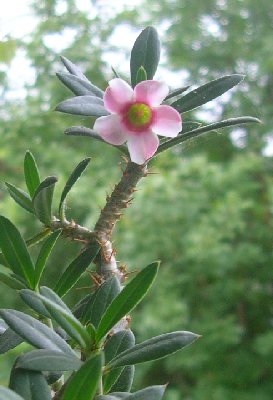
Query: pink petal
{"x": 166, "y": 122}
{"x": 117, "y": 95}
{"x": 151, "y": 92}
{"x": 142, "y": 146}
{"x": 109, "y": 129}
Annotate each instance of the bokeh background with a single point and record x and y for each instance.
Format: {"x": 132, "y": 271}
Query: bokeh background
{"x": 207, "y": 210}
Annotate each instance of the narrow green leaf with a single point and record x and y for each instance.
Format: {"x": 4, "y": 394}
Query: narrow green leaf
{"x": 42, "y": 199}
{"x": 15, "y": 251}
{"x": 80, "y": 308}
{"x": 7, "y": 394}
{"x": 176, "y": 92}
{"x": 125, "y": 380}
{"x": 38, "y": 237}
{"x": 74, "y": 70}
{"x": 83, "y": 105}
{"x": 35, "y": 332}
{"x": 154, "y": 348}
{"x": 43, "y": 255}
{"x": 145, "y": 53}
{"x": 141, "y": 75}
{"x": 10, "y": 281}
{"x": 206, "y": 93}
{"x": 31, "y": 171}
{"x": 20, "y": 197}
{"x": 79, "y": 86}
{"x": 83, "y": 384}
{"x": 31, "y": 385}
{"x": 48, "y": 360}
{"x": 67, "y": 321}
{"x": 117, "y": 343}
{"x": 204, "y": 129}
{"x": 3, "y": 261}
{"x": 129, "y": 297}
{"x": 100, "y": 300}
{"x": 84, "y": 131}
{"x": 9, "y": 340}
{"x": 34, "y": 302}
{"x": 75, "y": 175}
{"x": 74, "y": 271}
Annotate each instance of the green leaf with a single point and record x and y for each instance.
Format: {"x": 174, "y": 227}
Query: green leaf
{"x": 48, "y": 360}
{"x": 10, "y": 281}
{"x": 72, "y": 180}
{"x": 149, "y": 393}
{"x": 20, "y": 197}
{"x": 7, "y": 50}
{"x": 204, "y": 129}
{"x": 141, "y": 75}
{"x": 9, "y": 340}
{"x": 35, "y": 332}
{"x": 145, "y": 53}
{"x": 67, "y": 321}
{"x": 38, "y": 237}
{"x": 129, "y": 297}
{"x": 154, "y": 348}
{"x": 83, "y": 105}
{"x": 3, "y": 261}
{"x": 206, "y": 93}
{"x": 79, "y": 86}
{"x": 74, "y": 70}
{"x": 100, "y": 300}
{"x": 117, "y": 343}
{"x": 31, "y": 171}
{"x": 42, "y": 199}
{"x": 43, "y": 255}
{"x": 74, "y": 271}
{"x": 31, "y": 385}
{"x": 83, "y": 384}
{"x": 125, "y": 380}
{"x": 33, "y": 301}
{"x": 176, "y": 92}
{"x": 7, "y": 394}
{"x": 15, "y": 251}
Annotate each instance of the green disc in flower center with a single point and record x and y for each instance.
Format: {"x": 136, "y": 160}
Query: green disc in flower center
{"x": 139, "y": 114}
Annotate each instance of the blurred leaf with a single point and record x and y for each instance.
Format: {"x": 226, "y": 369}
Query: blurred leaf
{"x": 176, "y": 92}
{"x": 149, "y": 393}
{"x": 10, "y": 281}
{"x": 42, "y": 199}
{"x": 35, "y": 332}
{"x": 154, "y": 348}
{"x": 7, "y": 50}
{"x": 83, "y": 384}
{"x": 75, "y": 175}
{"x": 100, "y": 300}
{"x": 83, "y": 105}
{"x": 79, "y": 86}
{"x": 31, "y": 385}
{"x": 31, "y": 171}
{"x": 145, "y": 53}
{"x": 206, "y": 93}
{"x": 7, "y": 394}
{"x": 43, "y": 255}
{"x": 74, "y": 271}
{"x": 21, "y": 197}
{"x": 15, "y": 251}
{"x": 129, "y": 297}
{"x": 9, "y": 340}
{"x": 117, "y": 343}
{"x": 48, "y": 360}
{"x": 34, "y": 302}
{"x": 141, "y": 75}
{"x": 204, "y": 129}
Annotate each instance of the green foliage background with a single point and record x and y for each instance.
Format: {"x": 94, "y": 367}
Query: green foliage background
{"x": 207, "y": 210}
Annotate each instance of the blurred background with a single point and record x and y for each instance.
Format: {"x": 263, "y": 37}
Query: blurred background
{"x": 207, "y": 210}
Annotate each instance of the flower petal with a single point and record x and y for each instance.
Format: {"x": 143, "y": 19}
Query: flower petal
{"x": 117, "y": 95}
{"x": 142, "y": 146}
{"x": 109, "y": 129}
{"x": 151, "y": 92}
{"x": 166, "y": 121}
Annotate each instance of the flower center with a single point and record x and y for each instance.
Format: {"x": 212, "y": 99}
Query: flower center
{"x": 139, "y": 114}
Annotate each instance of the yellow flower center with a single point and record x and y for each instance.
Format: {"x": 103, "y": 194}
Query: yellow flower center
{"x": 139, "y": 114}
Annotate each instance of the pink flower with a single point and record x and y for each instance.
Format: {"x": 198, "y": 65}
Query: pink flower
{"x": 137, "y": 117}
